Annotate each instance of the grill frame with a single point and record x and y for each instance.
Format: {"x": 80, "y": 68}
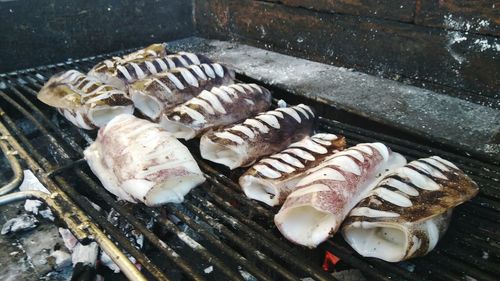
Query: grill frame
{"x": 483, "y": 212}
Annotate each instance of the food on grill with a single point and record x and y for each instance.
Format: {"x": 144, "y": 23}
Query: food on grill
{"x": 273, "y": 178}
{"x": 126, "y": 73}
{"x": 267, "y": 133}
{"x": 220, "y": 106}
{"x": 315, "y": 210}
{"x": 408, "y": 211}
{"x": 153, "y": 50}
{"x": 139, "y": 161}
{"x": 148, "y": 53}
{"x": 163, "y": 91}
{"x": 83, "y": 100}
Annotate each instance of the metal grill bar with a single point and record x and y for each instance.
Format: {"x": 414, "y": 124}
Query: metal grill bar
{"x": 210, "y": 210}
{"x": 100, "y": 219}
{"x": 10, "y": 154}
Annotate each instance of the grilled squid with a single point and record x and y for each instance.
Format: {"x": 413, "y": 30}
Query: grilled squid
{"x": 153, "y": 50}
{"x": 408, "y": 211}
{"x": 273, "y": 178}
{"x": 220, "y": 106}
{"x": 138, "y": 161}
{"x": 84, "y": 101}
{"x": 126, "y": 73}
{"x": 163, "y": 91}
{"x": 111, "y": 65}
{"x": 324, "y": 197}
{"x": 267, "y": 133}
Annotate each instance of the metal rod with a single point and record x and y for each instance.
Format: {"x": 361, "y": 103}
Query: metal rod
{"x": 18, "y": 174}
{"x": 22, "y": 195}
{"x": 150, "y": 236}
{"x": 259, "y": 235}
{"x": 218, "y": 227}
{"x": 200, "y": 249}
{"x": 214, "y": 240}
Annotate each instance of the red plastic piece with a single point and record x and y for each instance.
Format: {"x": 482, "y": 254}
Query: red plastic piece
{"x": 330, "y": 261}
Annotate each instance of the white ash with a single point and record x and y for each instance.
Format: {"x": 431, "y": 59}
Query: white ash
{"x": 247, "y": 276}
{"x": 21, "y": 223}
{"x": 79, "y": 253}
{"x": 485, "y": 44}
{"x": 282, "y": 104}
{"x": 85, "y": 254}
{"x": 455, "y": 37}
{"x": 127, "y": 229}
{"x": 46, "y": 214}
{"x": 458, "y": 23}
{"x": 208, "y": 270}
{"x": 94, "y": 205}
{"x": 469, "y": 278}
{"x": 261, "y": 255}
{"x": 410, "y": 267}
{"x": 486, "y": 255}
{"x": 64, "y": 274}
{"x": 61, "y": 259}
{"x": 14, "y": 270}
{"x": 31, "y": 182}
{"x": 69, "y": 239}
{"x": 38, "y": 246}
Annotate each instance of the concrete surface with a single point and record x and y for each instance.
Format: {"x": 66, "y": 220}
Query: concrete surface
{"x": 438, "y": 117}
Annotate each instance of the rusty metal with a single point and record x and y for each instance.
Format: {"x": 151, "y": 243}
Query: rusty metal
{"x": 11, "y": 156}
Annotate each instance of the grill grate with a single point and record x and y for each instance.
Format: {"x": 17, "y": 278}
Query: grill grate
{"x": 218, "y": 226}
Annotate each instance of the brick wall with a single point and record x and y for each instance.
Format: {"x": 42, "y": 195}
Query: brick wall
{"x": 448, "y": 46}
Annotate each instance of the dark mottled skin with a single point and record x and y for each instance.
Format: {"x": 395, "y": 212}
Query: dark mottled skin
{"x": 427, "y": 205}
{"x": 272, "y": 142}
{"x": 236, "y": 111}
{"x": 159, "y": 49}
{"x": 334, "y": 201}
{"x": 177, "y": 96}
{"x": 168, "y": 174}
{"x": 55, "y": 93}
{"x": 142, "y": 65}
{"x": 335, "y": 146}
{"x": 454, "y": 191}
